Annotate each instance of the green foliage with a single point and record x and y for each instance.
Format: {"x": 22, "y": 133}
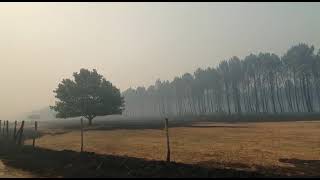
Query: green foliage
{"x": 88, "y": 95}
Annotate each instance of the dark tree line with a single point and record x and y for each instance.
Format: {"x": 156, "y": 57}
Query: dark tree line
{"x": 259, "y": 83}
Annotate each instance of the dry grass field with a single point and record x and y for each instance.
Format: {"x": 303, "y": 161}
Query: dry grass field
{"x": 237, "y": 145}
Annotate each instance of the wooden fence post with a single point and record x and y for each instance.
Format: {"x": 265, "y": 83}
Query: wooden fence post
{"x": 0, "y": 125}
{"x": 4, "y": 126}
{"x": 15, "y": 130}
{"x": 167, "y": 135}
{"x": 17, "y": 134}
{"x": 7, "y": 129}
{"x": 35, "y": 133}
{"x": 20, "y": 133}
{"x": 81, "y": 135}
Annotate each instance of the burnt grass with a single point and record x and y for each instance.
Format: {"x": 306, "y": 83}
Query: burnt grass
{"x": 49, "y": 163}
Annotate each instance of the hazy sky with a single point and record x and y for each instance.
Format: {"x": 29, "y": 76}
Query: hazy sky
{"x": 133, "y": 44}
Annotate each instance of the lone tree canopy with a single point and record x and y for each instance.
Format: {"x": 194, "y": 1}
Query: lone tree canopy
{"x": 88, "y": 95}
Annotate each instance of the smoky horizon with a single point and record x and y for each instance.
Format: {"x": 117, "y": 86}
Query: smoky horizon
{"x": 134, "y": 44}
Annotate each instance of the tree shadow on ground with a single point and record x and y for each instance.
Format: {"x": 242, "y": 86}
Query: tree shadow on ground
{"x": 50, "y": 163}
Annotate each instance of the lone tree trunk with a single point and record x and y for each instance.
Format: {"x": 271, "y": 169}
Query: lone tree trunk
{"x": 90, "y": 118}
{"x": 90, "y": 121}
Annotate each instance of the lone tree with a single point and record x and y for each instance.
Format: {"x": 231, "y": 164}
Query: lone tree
{"x": 88, "y": 95}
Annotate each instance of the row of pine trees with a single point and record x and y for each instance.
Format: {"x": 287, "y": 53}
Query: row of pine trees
{"x": 259, "y": 83}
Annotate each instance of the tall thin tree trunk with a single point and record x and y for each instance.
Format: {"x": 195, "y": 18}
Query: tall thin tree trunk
{"x": 296, "y": 92}
{"x": 227, "y": 96}
{"x": 271, "y": 84}
{"x": 256, "y": 96}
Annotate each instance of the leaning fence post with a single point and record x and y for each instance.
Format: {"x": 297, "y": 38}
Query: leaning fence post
{"x": 35, "y": 132}
{"x": 167, "y": 135}
{"x": 20, "y": 133}
{"x": 81, "y": 135}
{"x": 15, "y": 130}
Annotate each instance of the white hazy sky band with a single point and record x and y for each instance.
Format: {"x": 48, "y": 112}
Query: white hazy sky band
{"x": 133, "y": 44}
